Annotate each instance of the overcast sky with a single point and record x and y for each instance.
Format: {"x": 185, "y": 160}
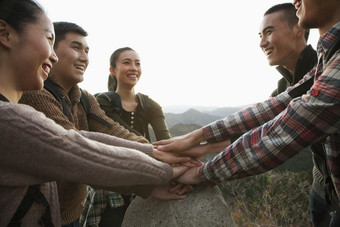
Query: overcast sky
{"x": 193, "y": 52}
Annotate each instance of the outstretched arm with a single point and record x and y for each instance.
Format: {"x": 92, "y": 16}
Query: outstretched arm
{"x": 181, "y": 143}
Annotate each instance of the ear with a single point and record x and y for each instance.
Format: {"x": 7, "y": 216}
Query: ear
{"x": 299, "y": 32}
{"x": 112, "y": 71}
{"x": 5, "y": 33}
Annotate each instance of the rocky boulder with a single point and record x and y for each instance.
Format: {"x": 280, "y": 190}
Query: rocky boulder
{"x": 204, "y": 206}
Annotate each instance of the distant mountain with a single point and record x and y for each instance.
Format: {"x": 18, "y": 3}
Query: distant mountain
{"x": 183, "y": 108}
{"x": 191, "y": 116}
{"x": 225, "y": 111}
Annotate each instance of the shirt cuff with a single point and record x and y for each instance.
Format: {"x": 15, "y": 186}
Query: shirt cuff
{"x": 204, "y": 178}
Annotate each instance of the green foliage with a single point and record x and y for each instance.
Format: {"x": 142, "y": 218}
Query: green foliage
{"x": 300, "y": 162}
{"x": 181, "y": 129}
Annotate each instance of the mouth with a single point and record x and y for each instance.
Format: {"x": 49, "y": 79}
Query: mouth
{"x": 46, "y": 68}
{"x": 267, "y": 52}
{"x": 297, "y": 4}
{"x": 81, "y": 67}
{"x": 132, "y": 76}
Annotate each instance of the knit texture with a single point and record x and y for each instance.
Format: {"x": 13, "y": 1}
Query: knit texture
{"x": 35, "y": 150}
{"x": 72, "y": 195}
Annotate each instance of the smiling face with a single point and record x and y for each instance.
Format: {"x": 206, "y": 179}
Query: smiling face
{"x": 72, "y": 52}
{"x": 34, "y": 54}
{"x": 128, "y": 69}
{"x": 278, "y": 40}
{"x": 322, "y": 14}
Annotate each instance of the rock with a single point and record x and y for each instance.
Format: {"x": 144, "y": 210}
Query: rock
{"x": 204, "y": 206}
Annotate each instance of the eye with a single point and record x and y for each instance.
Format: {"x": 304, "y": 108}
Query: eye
{"x": 268, "y": 32}
{"x": 138, "y": 63}
{"x": 126, "y": 63}
{"x": 76, "y": 47}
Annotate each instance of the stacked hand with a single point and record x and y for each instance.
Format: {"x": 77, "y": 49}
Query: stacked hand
{"x": 182, "y": 153}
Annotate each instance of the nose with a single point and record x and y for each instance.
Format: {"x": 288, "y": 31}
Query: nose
{"x": 53, "y": 57}
{"x": 263, "y": 42}
{"x": 134, "y": 66}
{"x": 84, "y": 56}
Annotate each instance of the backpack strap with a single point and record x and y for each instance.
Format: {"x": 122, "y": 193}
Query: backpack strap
{"x": 3, "y": 98}
{"x": 55, "y": 91}
{"x": 32, "y": 195}
{"x": 86, "y": 106}
{"x": 115, "y": 101}
{"x": 145, "y": 102}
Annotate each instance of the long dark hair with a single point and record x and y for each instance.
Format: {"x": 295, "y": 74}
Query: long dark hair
{"x": 17, "y": 13}
{"x": 112, "y": 80}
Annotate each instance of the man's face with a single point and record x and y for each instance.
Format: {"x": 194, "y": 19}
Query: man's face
{"x": 73, "y": 60}
{"x": 278, "y": 40}
{"x": 321, "y": 14}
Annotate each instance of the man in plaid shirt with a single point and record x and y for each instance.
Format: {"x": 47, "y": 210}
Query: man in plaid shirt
{"x": 277, "y": 129}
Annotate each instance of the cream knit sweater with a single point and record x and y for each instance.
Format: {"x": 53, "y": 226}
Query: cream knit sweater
{"x": 35, "y": 150}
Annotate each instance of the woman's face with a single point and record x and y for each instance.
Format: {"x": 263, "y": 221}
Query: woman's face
{"x": 33, "y": 53}
{"x": 128, "y": 69}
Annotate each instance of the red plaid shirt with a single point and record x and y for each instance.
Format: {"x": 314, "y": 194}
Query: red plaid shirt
{"x": 280, "y": 127}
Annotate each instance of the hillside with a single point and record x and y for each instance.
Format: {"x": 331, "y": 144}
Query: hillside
{"x": 225, "y": 111}
{"x": 191, "y": 116}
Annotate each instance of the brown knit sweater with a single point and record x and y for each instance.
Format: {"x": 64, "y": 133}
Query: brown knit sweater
{"x": 72, "y": 195}
{"x": 35, "y": 150}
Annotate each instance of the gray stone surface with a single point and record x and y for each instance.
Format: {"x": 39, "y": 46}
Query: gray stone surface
{"x": 203, "y": 207}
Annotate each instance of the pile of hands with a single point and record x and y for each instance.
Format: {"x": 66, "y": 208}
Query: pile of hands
{"x": 182, "y": 153}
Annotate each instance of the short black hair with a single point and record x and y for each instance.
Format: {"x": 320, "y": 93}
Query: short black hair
{"x": 289, "y": 15}
{"x": 62, "y": 28}
{"x": 17, "y": 13}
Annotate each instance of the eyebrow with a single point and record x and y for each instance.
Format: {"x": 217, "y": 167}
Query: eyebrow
{"x": 266, "y": 28}
{"x": 79, "y": 43}
{"x": 130, "y": 59}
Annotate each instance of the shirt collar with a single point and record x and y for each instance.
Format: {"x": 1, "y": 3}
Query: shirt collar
{"x": 327, "y": 40}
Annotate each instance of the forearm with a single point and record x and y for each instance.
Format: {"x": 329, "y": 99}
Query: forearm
{"x": 270, "y": 145}
{"x": 42, "y": 151}
{"x": 119, "y": 142}
{"x": 245, "y": 120}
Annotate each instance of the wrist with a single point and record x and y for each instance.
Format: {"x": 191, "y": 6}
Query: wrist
{"x": 197, "y": 137}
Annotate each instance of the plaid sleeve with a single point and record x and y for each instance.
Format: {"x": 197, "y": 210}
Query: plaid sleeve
{"x": 307, "y": 119}
{"x": 247, "y": 119}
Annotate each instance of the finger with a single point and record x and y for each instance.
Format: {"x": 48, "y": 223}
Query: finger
{"x": 176, "y": 188}
{"x": 168, "y": 147}
{"x": 184, "y": 190}
{"x": 177, "y": 159}
{"x": 163, "y": 142}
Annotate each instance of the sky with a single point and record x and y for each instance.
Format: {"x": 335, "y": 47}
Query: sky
{"x": 193, "y": 52}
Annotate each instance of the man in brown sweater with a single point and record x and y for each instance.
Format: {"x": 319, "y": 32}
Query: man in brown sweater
{"x": 72, "y": 50}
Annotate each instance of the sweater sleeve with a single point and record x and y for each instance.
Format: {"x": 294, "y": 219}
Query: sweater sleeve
{"x": 35, "y": 150}
{"x": 116, "y": 129}
{"x": 157, "y": 121}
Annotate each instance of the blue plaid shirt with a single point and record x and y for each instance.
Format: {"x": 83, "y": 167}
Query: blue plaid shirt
{"x": 280, "y": 127}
